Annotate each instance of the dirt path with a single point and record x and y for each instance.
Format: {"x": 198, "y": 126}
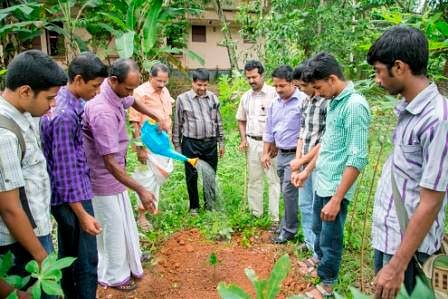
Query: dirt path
{"x": 181, "y": 268}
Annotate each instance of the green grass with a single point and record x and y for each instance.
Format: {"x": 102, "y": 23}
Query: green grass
{"x": 234, "y": 216}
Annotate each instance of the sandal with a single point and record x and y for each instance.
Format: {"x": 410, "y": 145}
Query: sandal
{"x": 309, "y": 267}
{"x": 319, "y": 292}
{"x": 126, "y": 287}
{"x": 145, "y": 257}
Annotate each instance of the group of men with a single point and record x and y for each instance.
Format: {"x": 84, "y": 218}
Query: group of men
{"x": 311, "y": 129}
{"x": 308, "y": 135}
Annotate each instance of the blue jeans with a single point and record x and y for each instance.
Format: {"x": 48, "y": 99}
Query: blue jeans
{"x": 380, "y": 259}
{"x": 306, "y": 198}
{"x": 329, "y": 240}
{"x": 80, "y": 279}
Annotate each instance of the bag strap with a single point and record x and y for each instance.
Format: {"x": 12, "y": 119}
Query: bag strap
{"x": 400, "y": 209}
{"x": 10, "y": 125}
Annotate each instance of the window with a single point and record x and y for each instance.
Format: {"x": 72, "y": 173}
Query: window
{"x": 55, "y": 42}
{"x": 198, "y": 34}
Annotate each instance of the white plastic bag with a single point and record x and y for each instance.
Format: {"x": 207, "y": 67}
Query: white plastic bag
{"x": 153, "y": 174}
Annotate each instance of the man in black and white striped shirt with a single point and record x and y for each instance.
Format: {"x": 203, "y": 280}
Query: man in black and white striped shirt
{"x": 312, "y": 128}
{"x": 198, "y": 132}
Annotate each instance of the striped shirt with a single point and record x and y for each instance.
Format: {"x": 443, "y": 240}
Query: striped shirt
{"x": 344, "y": 142}
{"x": 31, "y": 173}
{"x": 312, "y": 127}
{"x": 253, "y": 109}
{"x": 419, "y": 159}
{"x": 197, "y": 117}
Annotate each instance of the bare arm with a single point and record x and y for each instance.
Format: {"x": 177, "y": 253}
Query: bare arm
{"x": 88, "y": 222}
{"x": 390, "y": 278}
{"x": 142, "y": 153}
{"x": 19, "y": 225}
{"x": 146, "y": 197}
{"x": 296, "y": 163}
{"x": 243, "y": 137}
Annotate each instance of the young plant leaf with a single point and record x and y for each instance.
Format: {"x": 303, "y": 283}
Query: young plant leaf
{"x": 32, "y": 267}
{"x": 6, "y": 262}
{"x": 231, "y": 292}
{"x": 36, "y": 291}
{"x": 279, "y": 272}
{"x": 51, "y": 287}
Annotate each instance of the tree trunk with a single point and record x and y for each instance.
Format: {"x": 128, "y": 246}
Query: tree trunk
{"x": 229, "y": 43}
{"x": 443, "y": 84}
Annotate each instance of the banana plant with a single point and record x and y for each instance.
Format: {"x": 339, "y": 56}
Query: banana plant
{"x": 138, "y": 32}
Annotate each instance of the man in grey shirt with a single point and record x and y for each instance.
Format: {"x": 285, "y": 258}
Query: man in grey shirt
{"x": 198, "y": 132}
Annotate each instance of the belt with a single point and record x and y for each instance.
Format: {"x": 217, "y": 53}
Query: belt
{"x": 258, "y": 138}
{"x": 289, "y": 150}
{"x": 206, "y": 139}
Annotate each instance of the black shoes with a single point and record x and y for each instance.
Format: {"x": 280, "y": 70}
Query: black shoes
{"x": 282, "y": 238}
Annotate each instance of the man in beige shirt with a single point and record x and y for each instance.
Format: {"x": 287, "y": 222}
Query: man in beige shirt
{"x": 154, "y": 169}
{"x": 251, "y": 116}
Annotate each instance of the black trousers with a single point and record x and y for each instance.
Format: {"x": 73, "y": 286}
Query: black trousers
{"x": 206, "y": 150}
{"x": 79, "y": 281}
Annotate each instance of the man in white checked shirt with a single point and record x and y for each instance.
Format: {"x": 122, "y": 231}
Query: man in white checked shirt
{"x": 251, "y": 116}
{"x": 419, "y": 161}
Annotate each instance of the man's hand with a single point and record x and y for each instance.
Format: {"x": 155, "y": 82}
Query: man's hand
{"x": 388, "y": 281}
{"x": 24, "y": 295}
{"x": 243, "y": 145}
{"x": 298, "y": 178}
{"x": 273, "y": 151}
{"x": 266, "y": 161}
{"x": 295, "y": 164}
{"x": 222, "y": 150}
{"x": 330, "y": 210}
{"x": 142, "y": 155}
{"x": 148, "y": 200}
{"x": 90, "y": 225}
{"x": 164, "y": 125}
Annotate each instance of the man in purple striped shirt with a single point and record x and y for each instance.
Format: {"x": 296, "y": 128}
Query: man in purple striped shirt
{"x": 418, "y": 162}
{"x": 62, "y": 141}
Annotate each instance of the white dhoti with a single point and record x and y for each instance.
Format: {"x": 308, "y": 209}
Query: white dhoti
{"x": 118, "y": 244}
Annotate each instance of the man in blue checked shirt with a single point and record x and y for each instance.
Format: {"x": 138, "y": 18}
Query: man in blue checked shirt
{"x": 70, "y": 180}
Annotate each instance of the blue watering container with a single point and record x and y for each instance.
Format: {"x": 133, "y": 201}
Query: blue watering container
{"x": 159, "y": 142}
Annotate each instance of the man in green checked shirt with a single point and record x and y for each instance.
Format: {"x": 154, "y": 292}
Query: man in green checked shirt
{"x": 342, "y": 156}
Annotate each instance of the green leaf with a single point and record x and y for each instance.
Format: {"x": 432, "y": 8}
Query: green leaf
{"x": 231, "y": 292}
{"x": 17, "y": 281}
{"x": 150, "y": 26}
{"x": 32, "y": 267}
{"x": 36, "y": 292}
{"x": 25, "y": 9}
{"x": 48, "y": 262}
{"x": 279, "y": 272}
{"x": 51, "y": 287}
{"x": 60, "y": 264}
{"x": 125, "y": 44}
{"x": 53, "y": 274}
{"x": 6, "y": 261}
{"x": 259, "y": 285}
{"x": 338, "y": 296}
{"x": 358, "y": 294}
{"x": 442, "y": 26}
{"x": 13, "y": 295}
{"x": 421, "y": 290}
{"x": 193, "y": 55}
{"x": 116, "y": 20}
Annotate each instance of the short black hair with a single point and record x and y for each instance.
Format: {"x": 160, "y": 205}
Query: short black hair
{"x": 200, "y": 74}
{"x": 283, "y": 72}
{"x": 35, "y": 69}
{"x": 297, "y": 74}
{"x": 122, "y": 67}
{"x": 158, "y": 67}
{"x": 401, "y": 43}
{"x": 88, "y": 66}
{"x": 254, "y": 64}
{"x": 321, "y": 67}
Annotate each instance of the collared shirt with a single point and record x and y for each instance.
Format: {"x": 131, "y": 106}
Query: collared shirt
{"x": 419, "y": 160}
{"x": 62, "y": 142}
{"x": 312, "y": 127}
{"x": 197, "y": 117}
{"x": 105, "y": 133}
{"x": 161, "y": 104}
{"x": 344, "y": 142}
{"x": 31, "y": 173}
{"x": 283, "y": 121}
{"x": 253, "y": 109}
